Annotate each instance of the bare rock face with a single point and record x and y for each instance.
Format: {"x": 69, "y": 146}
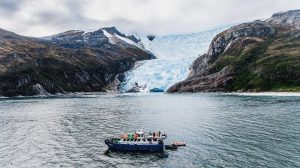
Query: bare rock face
{"x": 291, "y": 18}
{"x": 151, "y": 37}
{"x": 39, "y": 90}
{"x": 230, "y": 61}
{"x": 73, "y": 61}
{"x": 253, "y": 29}
{"x": 208, "y": 83}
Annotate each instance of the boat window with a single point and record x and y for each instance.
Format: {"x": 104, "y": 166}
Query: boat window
{"x": 154, "y": 139}
{"x": 144, "y": 140}
{"x": 139, "y": 139}
{"x": 134, "y": 140}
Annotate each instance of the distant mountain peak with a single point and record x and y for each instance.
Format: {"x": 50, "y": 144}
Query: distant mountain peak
{"x": 8, "y": 34}
{"x": 103, "y": 37}
{"x": 287, "y": 13}
{"x": 291, "y": 17}
{"x": 114, "y": 30}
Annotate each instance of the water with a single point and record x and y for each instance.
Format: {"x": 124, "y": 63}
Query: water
{"x": 221, "y": 130}
{"x": 175, "y": 54}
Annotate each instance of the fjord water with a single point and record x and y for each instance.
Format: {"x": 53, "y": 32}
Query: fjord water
{"x": 221, "y": 130}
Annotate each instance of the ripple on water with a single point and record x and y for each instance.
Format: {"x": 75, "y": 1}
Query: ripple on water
{"x": 221, "y": 130}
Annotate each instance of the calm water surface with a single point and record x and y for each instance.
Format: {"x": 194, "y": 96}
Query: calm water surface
{"x": 220, "y": 130}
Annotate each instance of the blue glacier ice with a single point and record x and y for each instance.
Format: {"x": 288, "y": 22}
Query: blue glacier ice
{"x": 175, "y": 54}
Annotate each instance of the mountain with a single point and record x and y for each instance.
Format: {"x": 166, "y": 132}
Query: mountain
{"x": 255, "y": 56}
{"x": 73, "y": 61}
{"x": 175, "y": 53}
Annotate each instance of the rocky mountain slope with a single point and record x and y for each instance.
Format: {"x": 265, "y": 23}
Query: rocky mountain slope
{"x": 73, "y": 61}
{"x": 255, "y": 56}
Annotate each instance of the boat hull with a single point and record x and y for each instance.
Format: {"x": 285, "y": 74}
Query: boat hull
{"x": 135, "y": 147}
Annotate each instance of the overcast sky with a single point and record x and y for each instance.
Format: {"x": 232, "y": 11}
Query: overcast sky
{"x": 46, "y": 17}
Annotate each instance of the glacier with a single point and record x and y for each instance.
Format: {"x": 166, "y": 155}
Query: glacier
{"x": 175, "y": 54}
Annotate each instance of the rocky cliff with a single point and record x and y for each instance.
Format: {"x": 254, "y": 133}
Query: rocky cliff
{"x": 255, "y": 56}
{"x": 73, "y": 61}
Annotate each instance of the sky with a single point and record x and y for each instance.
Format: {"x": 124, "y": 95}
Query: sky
{"x": 159, "y": 17}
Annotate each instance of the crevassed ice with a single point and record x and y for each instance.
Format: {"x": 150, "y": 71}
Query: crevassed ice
{"x": 175, "y": 54}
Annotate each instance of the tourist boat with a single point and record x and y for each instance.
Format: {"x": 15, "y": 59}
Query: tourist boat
{"x": 138, "y": 141}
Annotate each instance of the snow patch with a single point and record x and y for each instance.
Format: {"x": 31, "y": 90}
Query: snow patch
{"x": 109, "y": 36}
{"x": 128, "y": 41}
{"x": 86, "y": 31}
{"x": 115, "y": 38}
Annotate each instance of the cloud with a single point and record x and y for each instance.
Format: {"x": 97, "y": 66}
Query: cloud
{"x": 45, "y": 17}
{"x": 9, "y": 6}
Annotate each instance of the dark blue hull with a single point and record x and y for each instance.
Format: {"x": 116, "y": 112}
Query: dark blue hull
{"x": 135, "y": 147}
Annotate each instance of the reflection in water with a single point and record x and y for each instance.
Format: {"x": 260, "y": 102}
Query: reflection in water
{"x": 221, "y": 130}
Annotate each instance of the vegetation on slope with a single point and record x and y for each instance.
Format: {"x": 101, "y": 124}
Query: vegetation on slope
{"x": 255, "y": 56}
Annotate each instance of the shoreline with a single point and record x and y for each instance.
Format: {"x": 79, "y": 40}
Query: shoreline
{"x": 89, "y": 94}
{"x": 265, "y": 93}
